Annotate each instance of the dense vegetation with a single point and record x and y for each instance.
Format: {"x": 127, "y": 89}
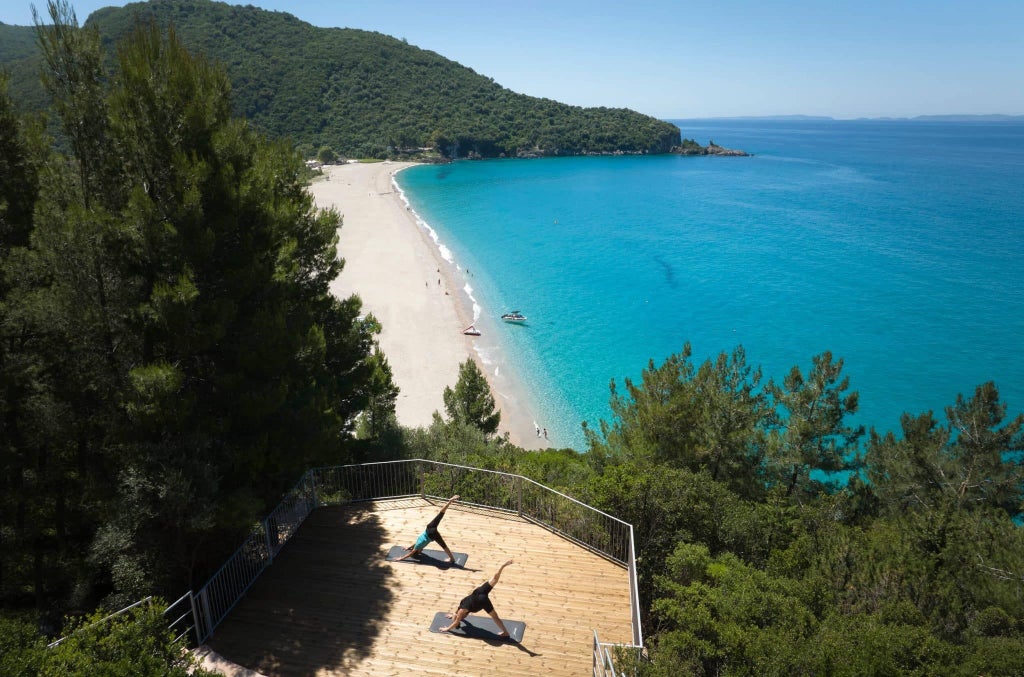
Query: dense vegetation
{"x": 136, "y": 643}
{"x": 754, "y": 558}
{"x": 170, "y": 356}
{"x": 365, "y": 94}
{"x": 171, "y": 360}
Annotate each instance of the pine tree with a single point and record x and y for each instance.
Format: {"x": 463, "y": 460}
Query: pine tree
{"x": 950, "y": 493}
{"x": 471, "y": 401}
{"x": 379, "y": 416}
{"x": 710, "y": 418}
{"x": 969, "y": 464}
{"x": 810, "y": 434}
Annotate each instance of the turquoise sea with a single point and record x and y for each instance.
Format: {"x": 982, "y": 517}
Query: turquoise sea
{"x": 897, "y": 245}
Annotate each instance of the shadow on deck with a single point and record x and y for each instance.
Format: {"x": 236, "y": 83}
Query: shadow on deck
{"x": 322, "y": 600}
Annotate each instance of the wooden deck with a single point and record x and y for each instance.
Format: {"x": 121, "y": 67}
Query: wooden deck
{"x": 331, "y": 605}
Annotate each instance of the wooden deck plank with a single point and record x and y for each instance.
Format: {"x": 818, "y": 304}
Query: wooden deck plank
{"x": 331, "y": 605}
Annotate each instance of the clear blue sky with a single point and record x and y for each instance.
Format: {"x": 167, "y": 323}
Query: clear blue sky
{"x": 706, "y": 58}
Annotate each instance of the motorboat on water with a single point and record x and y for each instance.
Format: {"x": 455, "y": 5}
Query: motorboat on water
{"x": 471, "y": 331}
{"x": 514, "y": 316}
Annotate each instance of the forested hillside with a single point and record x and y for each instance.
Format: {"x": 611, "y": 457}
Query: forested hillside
{"x": 16, "y": 43}
{"x": 363, "y": 93}
{"x": 20, "y": 57}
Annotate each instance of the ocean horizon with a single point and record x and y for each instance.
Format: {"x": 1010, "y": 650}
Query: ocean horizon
{"x": 896, "y": 245}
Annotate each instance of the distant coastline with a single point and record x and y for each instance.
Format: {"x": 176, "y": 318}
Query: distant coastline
{"x": 993, "y": 117}
{"x": 686, "y": 147}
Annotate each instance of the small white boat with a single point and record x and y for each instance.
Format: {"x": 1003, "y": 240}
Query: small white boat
{"x": 514, "y": 316}
{"x": 471, "y": 331}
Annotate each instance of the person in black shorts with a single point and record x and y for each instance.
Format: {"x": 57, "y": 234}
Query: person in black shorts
{"x": 478, "y": 600}
{"x": 431, "y": 534}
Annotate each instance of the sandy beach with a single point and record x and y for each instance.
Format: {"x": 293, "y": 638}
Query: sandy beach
{"x": 398, "y": 272}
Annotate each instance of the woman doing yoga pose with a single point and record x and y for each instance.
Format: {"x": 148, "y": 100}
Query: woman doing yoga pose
{"x": 431, "y": 534}
{"x": 476, "y": 601}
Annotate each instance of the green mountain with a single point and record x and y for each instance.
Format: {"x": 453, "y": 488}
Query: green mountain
{"x": 358, "y": 92}
{"x": 16, "y": 42}
{"x": 20, "y": 57}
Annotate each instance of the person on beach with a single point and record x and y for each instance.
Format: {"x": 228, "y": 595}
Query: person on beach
{"x": 476, "y": 601}
{"x": 538, "y": 429}
{"x": 431, "y": 534}
{"x": 545, "y": 433}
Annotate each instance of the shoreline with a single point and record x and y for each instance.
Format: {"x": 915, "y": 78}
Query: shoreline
{"x": 397, "y": 267}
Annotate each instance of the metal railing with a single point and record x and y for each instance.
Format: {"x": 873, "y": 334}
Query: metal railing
{"x": 581, "y": 523}
{"x": 605, "y": 656}
{"x": 185, "y": 623}
{"x": 145, "y": 600}
{"x": 593, "y": 529}
{"x": 604, "y": 666}
{"x": 229, "y": 584}
{"x": 176, "y": 625}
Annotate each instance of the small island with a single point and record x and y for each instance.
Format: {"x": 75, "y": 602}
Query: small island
{"x": 691, "y": 147}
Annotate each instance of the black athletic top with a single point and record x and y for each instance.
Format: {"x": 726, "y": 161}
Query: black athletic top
{"x": 478, "y": 600}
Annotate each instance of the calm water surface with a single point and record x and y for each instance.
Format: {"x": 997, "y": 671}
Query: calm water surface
{"x": 898, "y": 246}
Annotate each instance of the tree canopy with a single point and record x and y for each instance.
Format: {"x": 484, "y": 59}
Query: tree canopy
{"x": 471, "y": 401}
{"x": 134, "y": 643}
{"x": 170, "y": 356}
{"x": 912, "y": 567}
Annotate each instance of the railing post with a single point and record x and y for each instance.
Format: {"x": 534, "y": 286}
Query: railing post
{"x": 313, "y": 489}
{"x": 519, "y": 497}
{"x": 266, "y": 538}
{"x": 423, "y": 480}
{"x": 634, "y": 593}
{"x": 195, "y": 617}
{"x": 204, "y": 602}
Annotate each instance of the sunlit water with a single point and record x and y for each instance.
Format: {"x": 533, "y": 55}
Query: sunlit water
{"x": 896, "y": 245}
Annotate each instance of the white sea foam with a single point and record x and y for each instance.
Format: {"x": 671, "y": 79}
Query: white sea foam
{"x": 431, "y": 231}
{"x": 468, "y": 290}
{"x": 443, "y": 250}
{"x": 489, "y": 354}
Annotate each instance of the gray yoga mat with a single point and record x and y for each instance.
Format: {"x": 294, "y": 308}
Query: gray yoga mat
{"x": 437, "y": 558}
{"x": 480, "y": 627}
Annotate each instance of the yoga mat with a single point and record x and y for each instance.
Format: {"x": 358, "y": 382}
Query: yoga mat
{"x": 437, "y": 558}
{"x": 480, "y": 627}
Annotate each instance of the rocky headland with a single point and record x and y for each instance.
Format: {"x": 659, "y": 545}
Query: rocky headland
{"x": 691, "y": 147}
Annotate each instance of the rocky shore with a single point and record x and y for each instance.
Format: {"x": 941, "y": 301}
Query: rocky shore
{"x": 687, "y": 147}
{"x": 691, "y": 147}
